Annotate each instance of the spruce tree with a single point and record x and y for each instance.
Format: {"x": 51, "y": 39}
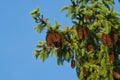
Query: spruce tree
{"x": 91, "y": 44}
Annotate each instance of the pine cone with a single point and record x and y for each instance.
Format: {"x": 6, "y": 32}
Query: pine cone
{"x": 80, "y": 32}
{"x": 109, "y": 41}
{"x": 54, "y": 39}
{"x": 111, "y": 57}
{"x": 73, "y": 63}
{"x": 49, "y": 39}
{"x": 114, "y": 34}
{"x": 86, "y": 33}
{"x": 57, "y": 39}
{"x": 116, "y": 75}
{"x": 104, "y": 38}
{"x": 90, "y": 47}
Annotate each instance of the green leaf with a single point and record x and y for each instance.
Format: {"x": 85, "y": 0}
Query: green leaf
{"x": 64, "y": 8}
{"x": 87, "y": 12}
{"x": 35, "y": 13}
{"x": 81, "y": 76}
{"x": 67, "y": 56}
{"x": 99, "y": 35}
{"x": 73, "y": 16}
{"x": 57, "y": 25}
{"x": 76, "y": 10}
{"x": 109, "y": 5}
{"x": 91, "y": 27}
{"x": 70, "y": 10}
{"x": 48, "y": 25}
{"x": 82, "y": 44}
{"x": 107, "y": 27}
{"x": 83, "y": 51}
{"x": 99, "y": 16}
{"x": 91, "y": 69}
{"x": 39, "y": 28}
{"x": 37, "y": 53}
{"x": 34, "y": 16}
{"x": 43, "y": 56}
{"x": 53, "y": 51}
{"x": 40, "y": 44}
{"x": 75, "y": 45}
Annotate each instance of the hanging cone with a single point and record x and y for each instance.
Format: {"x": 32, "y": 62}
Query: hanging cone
{"x": 80, "y": 32}
{"x": 114, "y": 34}
{"x": 73, "y": 63}
{"x": 57, "y": 40}
{"x": 111, "y": 57}
{"x": 104, "y": 38}
{"x": 109, "y": 41}
{"x": 90, "y": 47}
{"x": 54, "y": 39}
{"x": 86, "y": 33}
{"x": 49, "y": 39}
{"x": 116, "y": 75}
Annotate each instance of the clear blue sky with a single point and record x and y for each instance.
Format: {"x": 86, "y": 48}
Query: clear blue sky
{"x": 18, "y": 40}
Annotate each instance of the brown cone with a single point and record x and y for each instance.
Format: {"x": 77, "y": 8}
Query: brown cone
{"x": 80, "y": 32}
{"x": 114, "y": 34}
{"x": 104, "y": 38}
{"x": 90, "y": 47}
{"x": 54, "y": 39}
{"x": 73, "y": 63}
{"x": 49, "y": 39}
{"x": 116, "y": 75}
{"x": 109, "y": 41}
{"x": 111, "y": 57}
{"x": 57, "y": 39}
{"x": 86, "y": 33}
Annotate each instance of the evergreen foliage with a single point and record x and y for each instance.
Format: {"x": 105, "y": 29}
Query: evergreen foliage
{"x": 91, "y": 45}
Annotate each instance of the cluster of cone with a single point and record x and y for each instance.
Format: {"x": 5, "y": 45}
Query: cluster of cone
{"x": 107, "y": 39}
{"x": 54, "y": 39}
{"x": 110, "y": 39}
{"x": 83, "y": 33}
{"x": 116, "y": 74}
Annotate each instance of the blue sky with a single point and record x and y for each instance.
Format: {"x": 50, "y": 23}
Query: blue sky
{"x": 18, "y": 40}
